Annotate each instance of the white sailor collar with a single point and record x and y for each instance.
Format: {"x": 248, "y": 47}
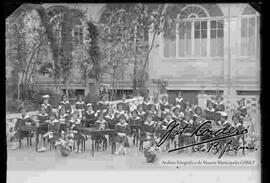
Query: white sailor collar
{"x": 237, "y": 125}
{"x": 110, "y": 117}
{"x": 78, "y": 102}
{"x": 226, "y": 122}
{"x": 146, "y": 103}
{"x": 188, "y": 122}
{"x": 149, "y": 124}
{"x": 179, "y": 99}
{"x": 54, "y": 121}
{"x": 152, "y": 112}
{"x": 242, "y": 107}
{"x": 99, "y": 121}
{"x": 42, "y": 114}
{"x": 65, "y": 102}
{"x": 141, "y": 112}
{"x": 46, "y": 105}
{"x": 166, "y": 121}
{"x": 219, "y": 103}
{"x": 90, "y": 112}
{"x": 122, "y": 124}
{"x": 25, "y": 117}
{"x": 74, "y": 121}
{"x": 62, "y": 116}
{"x": 166, "y": 103}
{"x": 103, "y": 102}
{"x": 137, "y": 118}
{"x": 211, "y": 110}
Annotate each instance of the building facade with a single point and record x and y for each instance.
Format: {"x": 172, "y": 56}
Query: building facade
{"x": 204, "y": 48}
{"x": 209, "y": 47}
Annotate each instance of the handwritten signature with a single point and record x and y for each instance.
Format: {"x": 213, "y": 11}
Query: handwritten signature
{"x": 227, "y": 132}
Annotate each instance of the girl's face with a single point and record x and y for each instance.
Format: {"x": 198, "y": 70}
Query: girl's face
{"x": 149, "y": 118}
{"x": 210, "y": 106}
{"x": 241, "y": 104}
{"x": 179, "y": 95}
{"x": 120, "y": 107}
{"x": 90, "y": 109}
{"x": 140, "y": 108}
{"x": 52, "y": 117}
{"x": 80, "y": 98}
{"x": 177, "y": 111}
{"x": 104, "y": 98}
{"x": 122, "y": 120}
{"x": 42, "y": 110}
{"x": 65, "y": 98}
{"x": 222, "y": 118}
{"x": 235, "y": 120}
{"x": 63, "y": 111}
{"x": 110, "y": 111}
{"x": 168, "y": 117}
{"x": 198, "y": 111}
{"x": 218, "y": 100}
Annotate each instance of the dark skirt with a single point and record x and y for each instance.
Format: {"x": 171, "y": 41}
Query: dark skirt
{"x": 122, "y": 140}
{"x": 42, "y": 129}
{"x": 22, "y": 134}
{"x": 98, "y": 138}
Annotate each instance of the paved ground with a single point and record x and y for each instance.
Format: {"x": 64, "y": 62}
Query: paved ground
{"x": 27, "y": 165}
{"x": 28, "y": 159}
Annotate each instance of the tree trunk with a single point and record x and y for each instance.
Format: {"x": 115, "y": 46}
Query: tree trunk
{"x": 146, "y": 60}
{"x": 135, "y": 77}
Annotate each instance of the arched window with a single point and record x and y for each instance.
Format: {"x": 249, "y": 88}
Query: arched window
{"x": 249, "y": 32}
{"x": 195, "y": 32}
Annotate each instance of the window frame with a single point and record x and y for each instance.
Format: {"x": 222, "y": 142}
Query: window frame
{"x": 208, "y": 49}
{"x": 256, "y": 16}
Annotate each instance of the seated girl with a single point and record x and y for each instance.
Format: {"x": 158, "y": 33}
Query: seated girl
{"x": 122, "y": 131}
{"x": 134, "y": 123}
{"x": 80, "y": 106}
{"x": 75, "y": 127}
{"x": 100, "y": 124}
{"x": 120, "y": 110}
{"x": 148, "y": 130}
{"x": 168, "y": 119}
{"x": 53, "y": 130}
{"x": 110, "y": 118}
{"x": 185, "y": 139}
{"x": 140, "y": 111}
{"x": 239, "y": 139}
{"x": 24, "y": 120}
{"x": 177, "y": 113}
{"x": 154, "y": 112}
{"x": 63, "y": 119}
{"x": 89, "y": 117}
{"x": 43, "y": 122}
